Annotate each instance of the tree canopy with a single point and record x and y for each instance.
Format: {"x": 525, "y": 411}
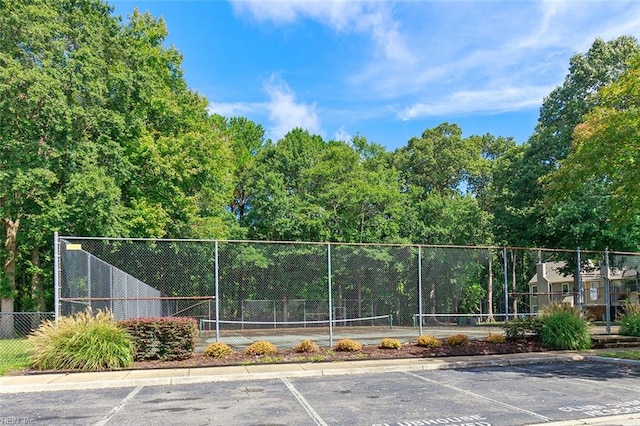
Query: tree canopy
{"x": 100, "y": 135}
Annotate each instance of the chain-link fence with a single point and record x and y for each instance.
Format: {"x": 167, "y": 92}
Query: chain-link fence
{"x": 312, "y": 289}
{"x": 14, "y": 329}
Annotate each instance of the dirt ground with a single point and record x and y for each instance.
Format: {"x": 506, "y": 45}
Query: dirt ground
{"x": 407, "y": 350}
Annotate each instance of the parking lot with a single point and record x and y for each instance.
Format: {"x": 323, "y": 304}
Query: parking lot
{"x": 512, "y": 395}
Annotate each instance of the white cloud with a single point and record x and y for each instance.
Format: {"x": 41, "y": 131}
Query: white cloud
{"x": 437, "y": 58}
{"x": 366, "y": 17}
{"x": 488, "y": 101}
{"x": 285, "y": 112}
{"x": 233, "y": 109}
{"x": 343, "y": 135}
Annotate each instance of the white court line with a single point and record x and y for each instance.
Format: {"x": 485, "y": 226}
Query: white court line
{"x": 305, "y": 404}
{"x": 495, "y": 401}
{"x": 119, "y": 407}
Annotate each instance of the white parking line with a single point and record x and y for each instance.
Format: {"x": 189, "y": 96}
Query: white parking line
{"x": 495, "y": 401}
{"x": 119, "y": 407}
{"x": 305, "y": 404}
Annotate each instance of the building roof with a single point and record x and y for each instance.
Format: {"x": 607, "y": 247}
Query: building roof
{"x": 555, "y": 273}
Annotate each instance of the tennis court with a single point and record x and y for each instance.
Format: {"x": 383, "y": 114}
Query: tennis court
{"x": 287, "y": 337}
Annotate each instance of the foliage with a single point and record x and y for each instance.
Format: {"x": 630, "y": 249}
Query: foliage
{"x": 217, "y": 350}
{"x": 496, "y": 338}
{"x": 472, "y": 298}
{"x": 163, "y": 338}
{"x": 457, "y": 340}
{"x": 261, "y": 347}
{"x": 630, "y": 320}
{"x": 523, "y": 216}
{"x": 522, "y": 328}
{"x": 428, "y": 341}
{"x": 83, "y": 341}
{"x": 606, "y": 148}
{"x": 347, "y": 345}
{"x": 564, "y": 327}
{"x": 307, "y": 346}
{"x": 388, "y": 343}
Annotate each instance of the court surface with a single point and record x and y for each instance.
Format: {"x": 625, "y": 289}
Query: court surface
{"x": 514, "y": 395}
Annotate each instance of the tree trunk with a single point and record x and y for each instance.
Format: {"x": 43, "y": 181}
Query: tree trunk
{"x": 8, "y": 294}
{"x": 490, "y": 317}
{"x": 37, "y": 281}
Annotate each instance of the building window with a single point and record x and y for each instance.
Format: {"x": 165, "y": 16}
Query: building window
{"x": 534, "y": 289}
{"x": 593, "y": 292}
{"x": 565, "y": 288}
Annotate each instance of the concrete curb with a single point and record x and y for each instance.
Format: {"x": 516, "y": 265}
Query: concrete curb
{"x": 134, "y": 378}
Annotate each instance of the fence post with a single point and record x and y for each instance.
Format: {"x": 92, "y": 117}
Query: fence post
{"x": 56, "y": 275}
{"x": 506, "y": 285}
{"x": 579, "y": 275}
{"x": 420, "y": 290}
{"x": 217, "y": 293}
{"x": 607, "y": 291}
{"x": 330, "y": 301}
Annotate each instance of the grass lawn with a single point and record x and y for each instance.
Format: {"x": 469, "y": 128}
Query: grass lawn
{"x": 14, "y": 355}
{"x": 635, "y": 355}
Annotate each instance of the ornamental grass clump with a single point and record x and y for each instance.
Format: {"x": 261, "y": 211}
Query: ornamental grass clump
{"x": 306, "y": 346}
{"x": 217, "y": 350}
{"x": 630, "y": 320}
{"x": 83, "y": 341}
{"x": 388, "y": 343}
{"x": 564, "y": 327}
{"x": 347, "y": 345}
{"x": 428, "y": 341}
{"x": 260, "y": 348}
{"x": 496, "y": 338}
{"x": 457, "y": 340}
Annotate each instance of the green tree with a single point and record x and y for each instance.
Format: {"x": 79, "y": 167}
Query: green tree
{"x": 605, "y": 156}
{"x": 99, "y": 135}
{"x": 561, "y": 112}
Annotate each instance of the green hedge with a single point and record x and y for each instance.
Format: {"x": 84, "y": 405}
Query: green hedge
{"x": 164, "y": 338}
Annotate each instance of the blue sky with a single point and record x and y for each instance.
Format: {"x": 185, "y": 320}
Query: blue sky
{"x": 386, "y": 70}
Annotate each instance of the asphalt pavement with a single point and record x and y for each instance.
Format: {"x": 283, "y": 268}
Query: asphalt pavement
{"x": 551, "y": 388}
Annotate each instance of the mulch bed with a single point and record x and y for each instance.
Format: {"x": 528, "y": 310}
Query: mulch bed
{"x": 368, "y": 352}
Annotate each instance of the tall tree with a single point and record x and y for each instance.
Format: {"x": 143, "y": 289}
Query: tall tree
{"x": 605, "y": 156}
{"x": 560, "y": 113}
{"x": 99, "y": 135}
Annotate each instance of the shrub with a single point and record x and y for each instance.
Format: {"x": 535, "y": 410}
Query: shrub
{"x": 261, "y": 347}
{"x": 306, "y": 346}
{"x": 457, "y": 340}
{"x": 347, "y": 345}
{"x": 162, "y": 338}
{"x": 388, "y": 343}
{"x": 82, "y": 341}
{"x": 217, "y": 350}
{"x": 630, "y": 321}
{"x": 427, "y": 341}
{"x": 496, "y": 338}
{"x": 523, "y": 328}
{"x": 564, "y": 327}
